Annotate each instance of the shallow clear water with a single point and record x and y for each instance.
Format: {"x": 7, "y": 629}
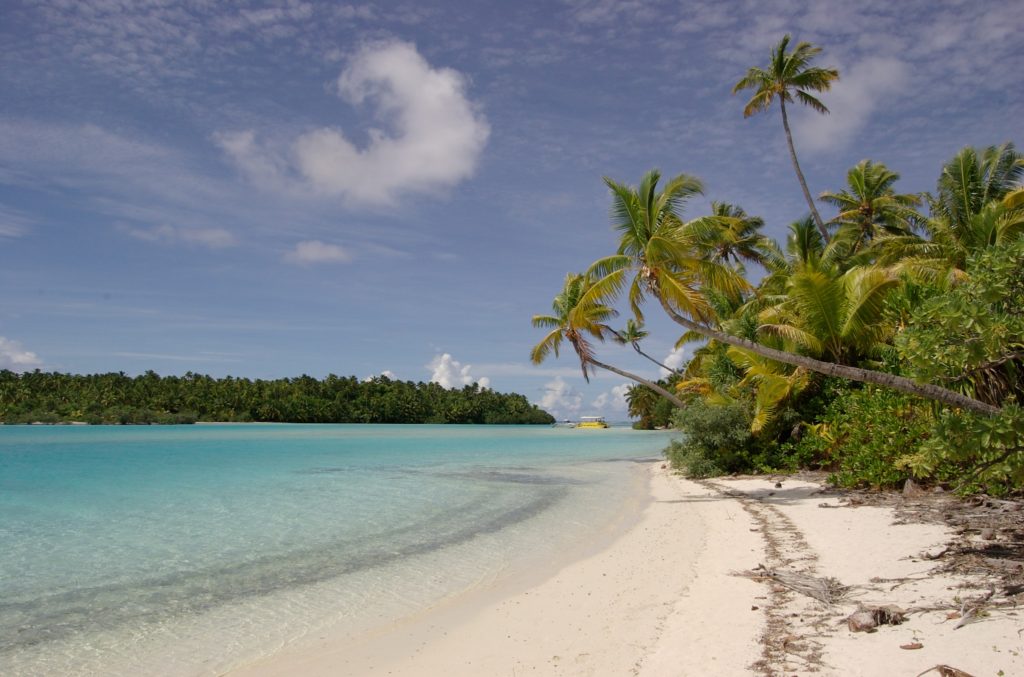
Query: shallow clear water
{"x": 193, "y": 548}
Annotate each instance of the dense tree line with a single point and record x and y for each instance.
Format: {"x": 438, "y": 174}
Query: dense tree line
{"x": 52, "y": 397}
{"x": 884, "y": 343}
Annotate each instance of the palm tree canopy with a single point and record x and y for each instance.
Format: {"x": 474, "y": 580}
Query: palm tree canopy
{"x": 576, "y": 315}
{"x": 659, "y": 248}
{"x": 971, "y": 180}
{"x": 729, "y": 234}
{"x": 832, "y": 314}
{"x": 633, "y": 333}
{"x": 869, "y": 204}
{"x": 788, "y": 75}
{"x": 976, "y": 205}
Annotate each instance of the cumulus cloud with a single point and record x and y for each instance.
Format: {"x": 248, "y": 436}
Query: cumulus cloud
{"x": 310, "y": 252}
{"x": 16, "y": 358}
{"x": 450, "y": 373}
{"x": 434, "y": 140}
{"x": 560, "y": 399}
{"x": 214, "y": 238}
{"x": 852, "y": 100}
{"x": 613, "y": 400}
{"x": 674, "y": 360}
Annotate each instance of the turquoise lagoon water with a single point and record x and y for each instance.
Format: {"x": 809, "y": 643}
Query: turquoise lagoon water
{"x": 188, "y": 550}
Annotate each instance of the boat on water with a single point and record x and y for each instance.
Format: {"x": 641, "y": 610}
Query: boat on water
{"x": 592, "y": 422}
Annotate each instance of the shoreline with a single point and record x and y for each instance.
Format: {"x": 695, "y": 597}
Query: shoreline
{"x": 679, "y": 591}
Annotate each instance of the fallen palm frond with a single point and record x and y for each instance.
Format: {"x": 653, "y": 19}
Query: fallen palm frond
{"x": 946, "y": 671}
{"x": 828, "y": 590}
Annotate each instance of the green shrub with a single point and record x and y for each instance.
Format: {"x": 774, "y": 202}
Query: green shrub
{"x": 978, "y": 453}
{"x": 868, "y": 437}
{"x": 716, "y": 439}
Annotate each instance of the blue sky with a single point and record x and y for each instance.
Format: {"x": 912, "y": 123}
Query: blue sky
{"x": 267, "y": 189}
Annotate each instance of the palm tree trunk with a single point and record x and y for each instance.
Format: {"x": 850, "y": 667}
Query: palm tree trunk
{"x": 642, "y": 381}
{"x": 666, "y": 368}
{"x": 900, "y": 383}
{"x": 800, "y": 174}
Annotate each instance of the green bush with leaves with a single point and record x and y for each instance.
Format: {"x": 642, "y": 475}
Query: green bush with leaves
{"x": 971, "y": 338}
{"x": 868, "y": 437}
{"x": 986, "y": 453}
{"x": 716, "y": 438}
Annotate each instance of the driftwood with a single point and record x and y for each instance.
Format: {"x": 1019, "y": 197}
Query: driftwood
{"x": 827, "y": 590}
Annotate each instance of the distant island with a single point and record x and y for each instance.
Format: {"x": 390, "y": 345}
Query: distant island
{"x": 116, "y": 398}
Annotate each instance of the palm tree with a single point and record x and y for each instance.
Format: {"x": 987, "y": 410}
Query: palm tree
{"x": 971, "y": 181}
{"x": 831, "y": 314}
{"x": 977, "y": 205}
{"x": 730, "y": 234}
{"x": 633, "y": 334}
{"x": 869, "y": 205}
{"x": 789, "y": 75}
{"x": 577, "y": 316}
{"x": 640, "y": 402}
{"x": 657, "y": 249}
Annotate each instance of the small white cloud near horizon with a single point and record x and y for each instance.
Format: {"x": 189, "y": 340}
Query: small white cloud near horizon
{"x": 214, "y": 238}
{"x": 450, "y": 373}
{"x": 860, "y": 90}
{"x": 14, "y": 357}
{"x": 612, "y": 401}
{"x": 435, "y": 139}
{"x": 387, "y": 373}
{"x": 560, "y": 399}
{"x": 310, "y": 252}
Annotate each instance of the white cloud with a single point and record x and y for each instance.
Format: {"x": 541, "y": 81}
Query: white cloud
{"x": 450, "y": 373}
{"x": 560, "y": 399}
{"x": 387, "y": 373}
{"x": 314, "y": 251}
{"x": 16, "y": 358}
{"x": 435, "y": 138}
{"x": 214, "y": 238}
{"x": 673, "y": 360}
{"x": 859, "y": 92}
{"x": 613, "y": 400}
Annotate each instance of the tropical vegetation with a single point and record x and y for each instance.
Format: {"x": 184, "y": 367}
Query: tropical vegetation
{"x": 51, "y": 397}
{"x": 884, "y": 343}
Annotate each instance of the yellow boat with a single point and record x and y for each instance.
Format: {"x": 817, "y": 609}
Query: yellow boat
{"x": 592, "y": 422}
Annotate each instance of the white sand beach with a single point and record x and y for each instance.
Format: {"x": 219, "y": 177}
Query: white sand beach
{"x": 676, "y": 594}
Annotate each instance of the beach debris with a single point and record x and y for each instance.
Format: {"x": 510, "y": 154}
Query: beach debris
{"x": 827, "y": 589}
{"x": 912, "y": 646}
{"x": 934, "y": 554}
{"x": 912, "y": 488}
{"x": 867, "y": 619}
{"x": 970, "y": 609}
{"x": 946, "y": 671}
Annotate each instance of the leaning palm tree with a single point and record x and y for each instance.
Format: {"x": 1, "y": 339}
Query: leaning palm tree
{"x": 633, "y": 334}
{"x": 578, "y": 316}
{"x": 869, "y": 206}
{"x": 790, "y": 75}
{"x": 656, "y": 258}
